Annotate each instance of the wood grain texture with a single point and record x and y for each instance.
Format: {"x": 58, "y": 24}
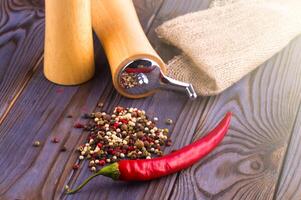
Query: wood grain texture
{"x": 289, "y": 185}
{"x": 26, "y": 123}
{"x": 41, "y": 162}
{"x": 147, "y": 11}
{"x": 21, "y": 24}
{"x": 247, "y": 164}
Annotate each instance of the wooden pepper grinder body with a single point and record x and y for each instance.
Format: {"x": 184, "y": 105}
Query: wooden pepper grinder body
{"x": 117, "y": 25}
{"x": 68, "y": 55}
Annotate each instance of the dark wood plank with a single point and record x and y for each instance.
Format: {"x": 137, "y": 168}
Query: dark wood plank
{"x": 247, "y": 164}
{"x": 32, "y": 118}
{"x": 147, "y": 11}
{"x": 21, "y": 47}
{"x": 289, "y": 186}
{"x": 43, "y": 117}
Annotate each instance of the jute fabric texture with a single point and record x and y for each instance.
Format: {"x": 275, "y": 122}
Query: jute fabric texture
{"x": 222, "y": 44}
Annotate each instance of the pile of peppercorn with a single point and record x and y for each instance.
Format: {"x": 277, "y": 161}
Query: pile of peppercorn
{"x": 127, "y": 133}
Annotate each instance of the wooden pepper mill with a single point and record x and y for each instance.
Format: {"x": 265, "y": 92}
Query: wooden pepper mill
{"x": 68, "y": 55}
{"x": 137, "y": 70}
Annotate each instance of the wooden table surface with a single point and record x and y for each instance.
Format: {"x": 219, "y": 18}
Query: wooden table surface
{"x": 258, "y": 159}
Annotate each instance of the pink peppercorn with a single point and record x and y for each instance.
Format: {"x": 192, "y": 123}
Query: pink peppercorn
{"x": 55, "y": 140}
{"x": 75, "y": 166}
{"x": 124, "y": 121}
{"x": 112, "y": 151}
{"x": 116, "y": 124}
{"x": 78, "y": 125}
{"x": 102, "y": 162}
{"x": 119, "y": 109}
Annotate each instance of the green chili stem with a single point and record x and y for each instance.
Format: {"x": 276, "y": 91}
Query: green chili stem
{"x": 111, "y": 171}
{"x": 83, "y": 184}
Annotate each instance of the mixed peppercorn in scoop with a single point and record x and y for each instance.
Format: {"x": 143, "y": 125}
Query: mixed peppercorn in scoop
{"x": 127, "y": 133}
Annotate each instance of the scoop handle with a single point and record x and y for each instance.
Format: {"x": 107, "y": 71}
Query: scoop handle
{"x": 116, "y": 24}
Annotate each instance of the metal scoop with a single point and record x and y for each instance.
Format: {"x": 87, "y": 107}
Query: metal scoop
{"x": 141, "y": 76}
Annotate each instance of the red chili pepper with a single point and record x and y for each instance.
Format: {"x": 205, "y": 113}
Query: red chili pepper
{"x": 143, "y": 170}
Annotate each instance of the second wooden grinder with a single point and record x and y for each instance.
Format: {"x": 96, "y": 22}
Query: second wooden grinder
{"x": 137, "y": 70}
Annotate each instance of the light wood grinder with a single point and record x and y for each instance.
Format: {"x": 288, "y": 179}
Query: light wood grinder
{"x": 137, "y": 70}
{"x": 68, "y": 52}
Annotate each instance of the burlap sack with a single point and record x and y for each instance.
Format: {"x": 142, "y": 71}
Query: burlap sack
{"x": 222, "y": 44}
